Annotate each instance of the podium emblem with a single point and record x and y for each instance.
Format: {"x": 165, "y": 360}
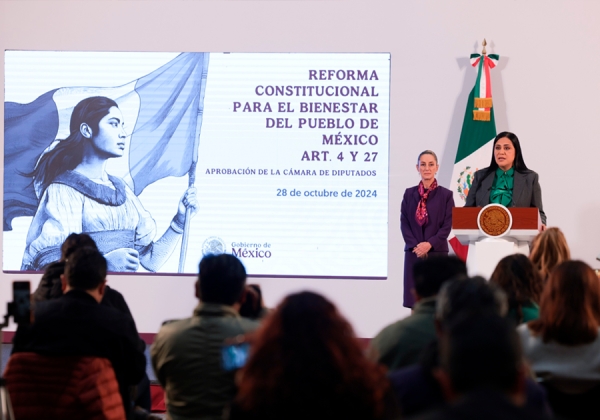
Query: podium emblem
{"x": 494, "y": 220}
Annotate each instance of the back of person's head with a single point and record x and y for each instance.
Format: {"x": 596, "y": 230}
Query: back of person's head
{"x": 519, "y": 278}
{"x": 75, "y": 241}
{"x": 429, "y": 274}
{"x": 548, "y": 249}
{"x": 306, "y": 363}
{"x": 85, "y": 269}
{"x": 570, "y": 305}
{"x": 469, "y": 297}
{"x": 482, "y": 353}
{"x": 221, "y": 279}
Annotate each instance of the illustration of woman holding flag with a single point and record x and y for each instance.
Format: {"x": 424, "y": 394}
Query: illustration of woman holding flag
{"x": 76, "y": 194}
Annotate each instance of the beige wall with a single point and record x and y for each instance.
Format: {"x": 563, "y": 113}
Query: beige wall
{"x": 546, "y": 89}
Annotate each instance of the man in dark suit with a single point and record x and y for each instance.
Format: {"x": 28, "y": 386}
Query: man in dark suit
{"x": 77, "y": 325}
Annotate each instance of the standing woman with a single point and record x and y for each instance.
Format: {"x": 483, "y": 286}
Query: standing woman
{"x": 425, "y": 220}
{"x": 507, "y": 180}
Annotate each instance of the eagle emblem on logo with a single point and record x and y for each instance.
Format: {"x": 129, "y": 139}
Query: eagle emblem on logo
{"x": 213, "y": 245}
{"x": 464, "y": 182}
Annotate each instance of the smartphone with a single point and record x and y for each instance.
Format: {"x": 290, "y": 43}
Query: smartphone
{"x": 234, "y": 356}
{"x": 22, "y": 302}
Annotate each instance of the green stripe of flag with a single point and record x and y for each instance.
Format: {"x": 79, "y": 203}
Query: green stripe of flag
{"x": 474, "y": 134}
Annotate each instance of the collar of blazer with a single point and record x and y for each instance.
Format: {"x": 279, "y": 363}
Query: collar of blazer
{"x": 518, "y": 187}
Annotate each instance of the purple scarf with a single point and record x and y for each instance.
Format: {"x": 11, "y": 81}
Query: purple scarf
{"x": 421, "y": 215}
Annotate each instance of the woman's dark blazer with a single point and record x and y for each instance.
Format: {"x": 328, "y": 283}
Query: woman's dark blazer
{"x": 526, "y": 191}
{"x": 437, "y": 229}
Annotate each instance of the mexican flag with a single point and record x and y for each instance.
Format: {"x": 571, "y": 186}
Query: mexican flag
{"x": 478, "y": 131}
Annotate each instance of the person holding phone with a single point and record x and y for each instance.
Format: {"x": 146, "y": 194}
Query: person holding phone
{"x": 425, "y": 220}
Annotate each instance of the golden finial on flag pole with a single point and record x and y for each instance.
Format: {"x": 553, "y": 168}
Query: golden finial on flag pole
{"x": 484, "y": 43}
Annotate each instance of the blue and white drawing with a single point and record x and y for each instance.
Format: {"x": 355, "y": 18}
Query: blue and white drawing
{"x": 56, "y": 150}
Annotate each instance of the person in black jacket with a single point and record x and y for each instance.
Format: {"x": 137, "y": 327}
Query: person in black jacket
{"x": 76, "y": 324}
{"x": 50, "y": 285}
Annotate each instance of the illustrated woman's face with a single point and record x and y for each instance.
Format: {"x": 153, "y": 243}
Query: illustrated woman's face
{"x": 110, "y": 140}
{"x": 504, "y": 153}
{"x": 427, "y": 167}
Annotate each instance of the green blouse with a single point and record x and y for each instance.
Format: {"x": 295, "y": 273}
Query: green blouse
{"x": 502, "y": 188}
{"x": 529, "y": 311}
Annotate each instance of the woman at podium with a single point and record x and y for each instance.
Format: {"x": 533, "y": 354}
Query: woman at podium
{"x": 425, "y": 220}
{"x": 507, "y": 180}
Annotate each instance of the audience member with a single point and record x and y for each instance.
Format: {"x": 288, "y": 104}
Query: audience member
{"x": 50, "y": 286}
{"x": 415, "y": 387}
{"x": 306, "y": 364}
{"x": 75, "y": 324}
{"x": 563, "y": 345}
{"x": 548, "y": 249}
{"x": 401, "y": 343}
{"x": 252, "y": 305}
{"x": 481, "y": 371}
{"x": 186, "y": 354}
{"x": 522, "y": 283}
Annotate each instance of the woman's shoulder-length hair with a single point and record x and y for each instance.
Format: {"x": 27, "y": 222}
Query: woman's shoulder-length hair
{"x": 548, "y": 249}
{"x": 570, "y": 305}
{"x": 306, "y": 348}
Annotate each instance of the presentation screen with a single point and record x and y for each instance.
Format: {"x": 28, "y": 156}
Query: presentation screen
{"x": 279, "y": 159}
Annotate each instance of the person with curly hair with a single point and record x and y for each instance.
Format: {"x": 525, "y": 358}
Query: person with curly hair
{"x": 522, "y": 283}
{"x": 306, "y": 363}
{"x": 548, "y": 249}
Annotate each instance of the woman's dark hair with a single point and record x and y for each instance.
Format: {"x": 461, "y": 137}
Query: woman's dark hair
{"x": 306, "y": 363}
{"x": 68, "y": 153}
{"x": 520, "y": 280}
{"x": 570, "y": 305}
{"x": 519, "y": 163}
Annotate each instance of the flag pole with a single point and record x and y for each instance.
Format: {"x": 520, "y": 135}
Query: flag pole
{"x": 186, "y": 227}
{"x": 192, "y": 171}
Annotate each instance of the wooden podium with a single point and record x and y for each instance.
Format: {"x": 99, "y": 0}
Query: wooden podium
{"x": 486, "y": 250}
